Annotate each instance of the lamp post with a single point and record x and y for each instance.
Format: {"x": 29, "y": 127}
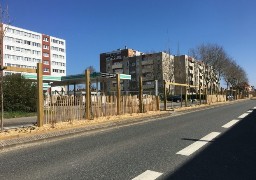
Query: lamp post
{"x": 2, "y": 97}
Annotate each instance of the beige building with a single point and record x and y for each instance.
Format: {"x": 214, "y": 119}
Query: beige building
{"x": 158, "y": 66}
{"x": 152, "y": 67}
{"x": 194, "y": 73}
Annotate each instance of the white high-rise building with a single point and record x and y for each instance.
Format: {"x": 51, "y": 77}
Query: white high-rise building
{"x": 24, "y": 49}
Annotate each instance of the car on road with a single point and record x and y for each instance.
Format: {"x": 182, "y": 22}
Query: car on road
{"x": 176, "y": 98}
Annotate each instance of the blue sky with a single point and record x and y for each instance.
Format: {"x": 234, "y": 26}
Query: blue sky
{"x": 91, "y": 27}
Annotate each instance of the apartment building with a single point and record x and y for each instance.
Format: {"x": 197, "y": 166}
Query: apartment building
{"x": 113, "y": 62}
{"x": 158, "y": 66}
{"x": 24, "y": 49}
{"x": 152, "y": 66}
{"x": 195, "y": 73}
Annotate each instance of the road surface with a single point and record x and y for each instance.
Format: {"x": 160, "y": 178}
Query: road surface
{"x": 216, "y": 143}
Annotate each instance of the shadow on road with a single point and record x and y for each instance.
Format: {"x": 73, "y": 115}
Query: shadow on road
{"x": 231, "y": 156}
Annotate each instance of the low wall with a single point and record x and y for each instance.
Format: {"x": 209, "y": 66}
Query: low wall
{"x": 215, "y": 98}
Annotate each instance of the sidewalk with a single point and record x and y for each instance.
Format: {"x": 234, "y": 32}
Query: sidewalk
{"x": 30, "y": 134}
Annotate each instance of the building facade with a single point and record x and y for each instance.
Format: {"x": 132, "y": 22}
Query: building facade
{"x": 195, "y": 74}
{"x": 151, "y": 67}
{"x": 160, "y": 66}
{"x": 24, "y": 49}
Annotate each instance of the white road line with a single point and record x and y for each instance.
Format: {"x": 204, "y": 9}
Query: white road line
{"x": 148, "y": 175}
{"x": 243, "y": 115}
{"x": 198, "y": 144}
{"x": 231, "y": 123}
{"x": 249, "y": 111}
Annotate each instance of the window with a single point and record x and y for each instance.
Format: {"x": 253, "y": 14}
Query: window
{"x": 27, "y": 42}
{"x": 46, "y": 69}
{"x": 19, "y": 41}
{"x": 55, "y": 70}
{"x": 46, "y": 54}
{"x": 9, "y": 47}
{"x": 61, "y": 49}
{"x": 46, "y": 62}
{"x": 45, "y": 47}
{"x": 46, "y": 39}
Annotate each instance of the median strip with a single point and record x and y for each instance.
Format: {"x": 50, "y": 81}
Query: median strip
{"x": 198, "y": 144}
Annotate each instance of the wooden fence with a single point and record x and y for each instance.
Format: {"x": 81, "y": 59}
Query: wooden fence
{"x": 69, "y": 108}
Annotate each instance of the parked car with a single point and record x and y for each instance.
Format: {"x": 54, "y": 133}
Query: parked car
{"x": 230, "y": 97}
{"x": 177, "y": 98}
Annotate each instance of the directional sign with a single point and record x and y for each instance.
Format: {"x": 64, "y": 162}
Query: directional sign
{"x": 125, "y": 76}
{"x": 108, "y": 75}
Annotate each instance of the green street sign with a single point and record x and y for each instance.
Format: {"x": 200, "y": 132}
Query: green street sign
{"x": 125, "y": 76}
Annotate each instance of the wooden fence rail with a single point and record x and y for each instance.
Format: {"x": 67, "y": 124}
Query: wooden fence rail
{"x": 69, "y": 108}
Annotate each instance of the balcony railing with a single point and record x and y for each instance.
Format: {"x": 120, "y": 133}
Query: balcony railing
{"x": 148, "y": 86}
{"x": 116, "y": 66}
{"x": 147, "y": 62}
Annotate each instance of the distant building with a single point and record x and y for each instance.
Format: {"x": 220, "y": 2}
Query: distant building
{"x": 158, "y": 66}
{"x": 113, "y": 62}
{"x": 153, "y": 66}
{"x": 24, "y": 49}
{"x": 195, "y": 73}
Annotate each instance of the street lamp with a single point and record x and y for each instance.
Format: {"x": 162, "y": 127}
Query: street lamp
{"x": 2, "y": 98}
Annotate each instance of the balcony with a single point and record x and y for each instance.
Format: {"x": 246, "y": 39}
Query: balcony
{"x": 148, "y": 86}
{"x": 148, "y": 69}
{"x": 200, "y": 67}
{"x": 119, "y": 71}
{"x": 191, "y": 72}
{"x": 117, "y": 66}
{"x": 191, "y": 63}
{"x": 147, "y": 62}
{"x": 149, "y": 78}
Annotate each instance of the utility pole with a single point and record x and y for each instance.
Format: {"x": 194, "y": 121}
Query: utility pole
{"x": 2, "y": 97}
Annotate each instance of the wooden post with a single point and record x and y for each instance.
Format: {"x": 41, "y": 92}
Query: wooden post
{"x": 200, "y": 97}
{"x": 186, "y": 96}
{"x": 140, "y": 96}
{"x": 88, "y": 94}
{"x": 40, "y": 96}
{"x": 165, "y": 96}
{"x": 157, "y": 103}
{"x": 118, "y": 94}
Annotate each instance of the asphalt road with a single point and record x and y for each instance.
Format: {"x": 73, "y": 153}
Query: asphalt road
{"x": 166, "y": 148}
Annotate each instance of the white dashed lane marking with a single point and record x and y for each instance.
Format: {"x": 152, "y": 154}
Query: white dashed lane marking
{"x": 198, "y": 144}
{"x": 148, "y": 175}
{"x": 243, "y": 115}
{"x": 231, "y": 123}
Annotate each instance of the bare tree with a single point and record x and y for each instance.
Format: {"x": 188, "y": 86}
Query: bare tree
{"x": 95, "y": 85}
{"x": 91, "y": 68}
{"x": 213, "y": 56}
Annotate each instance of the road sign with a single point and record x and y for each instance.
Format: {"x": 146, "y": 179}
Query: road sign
{"x": 125, "y": 76}
{"x": 108, "y": 75}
